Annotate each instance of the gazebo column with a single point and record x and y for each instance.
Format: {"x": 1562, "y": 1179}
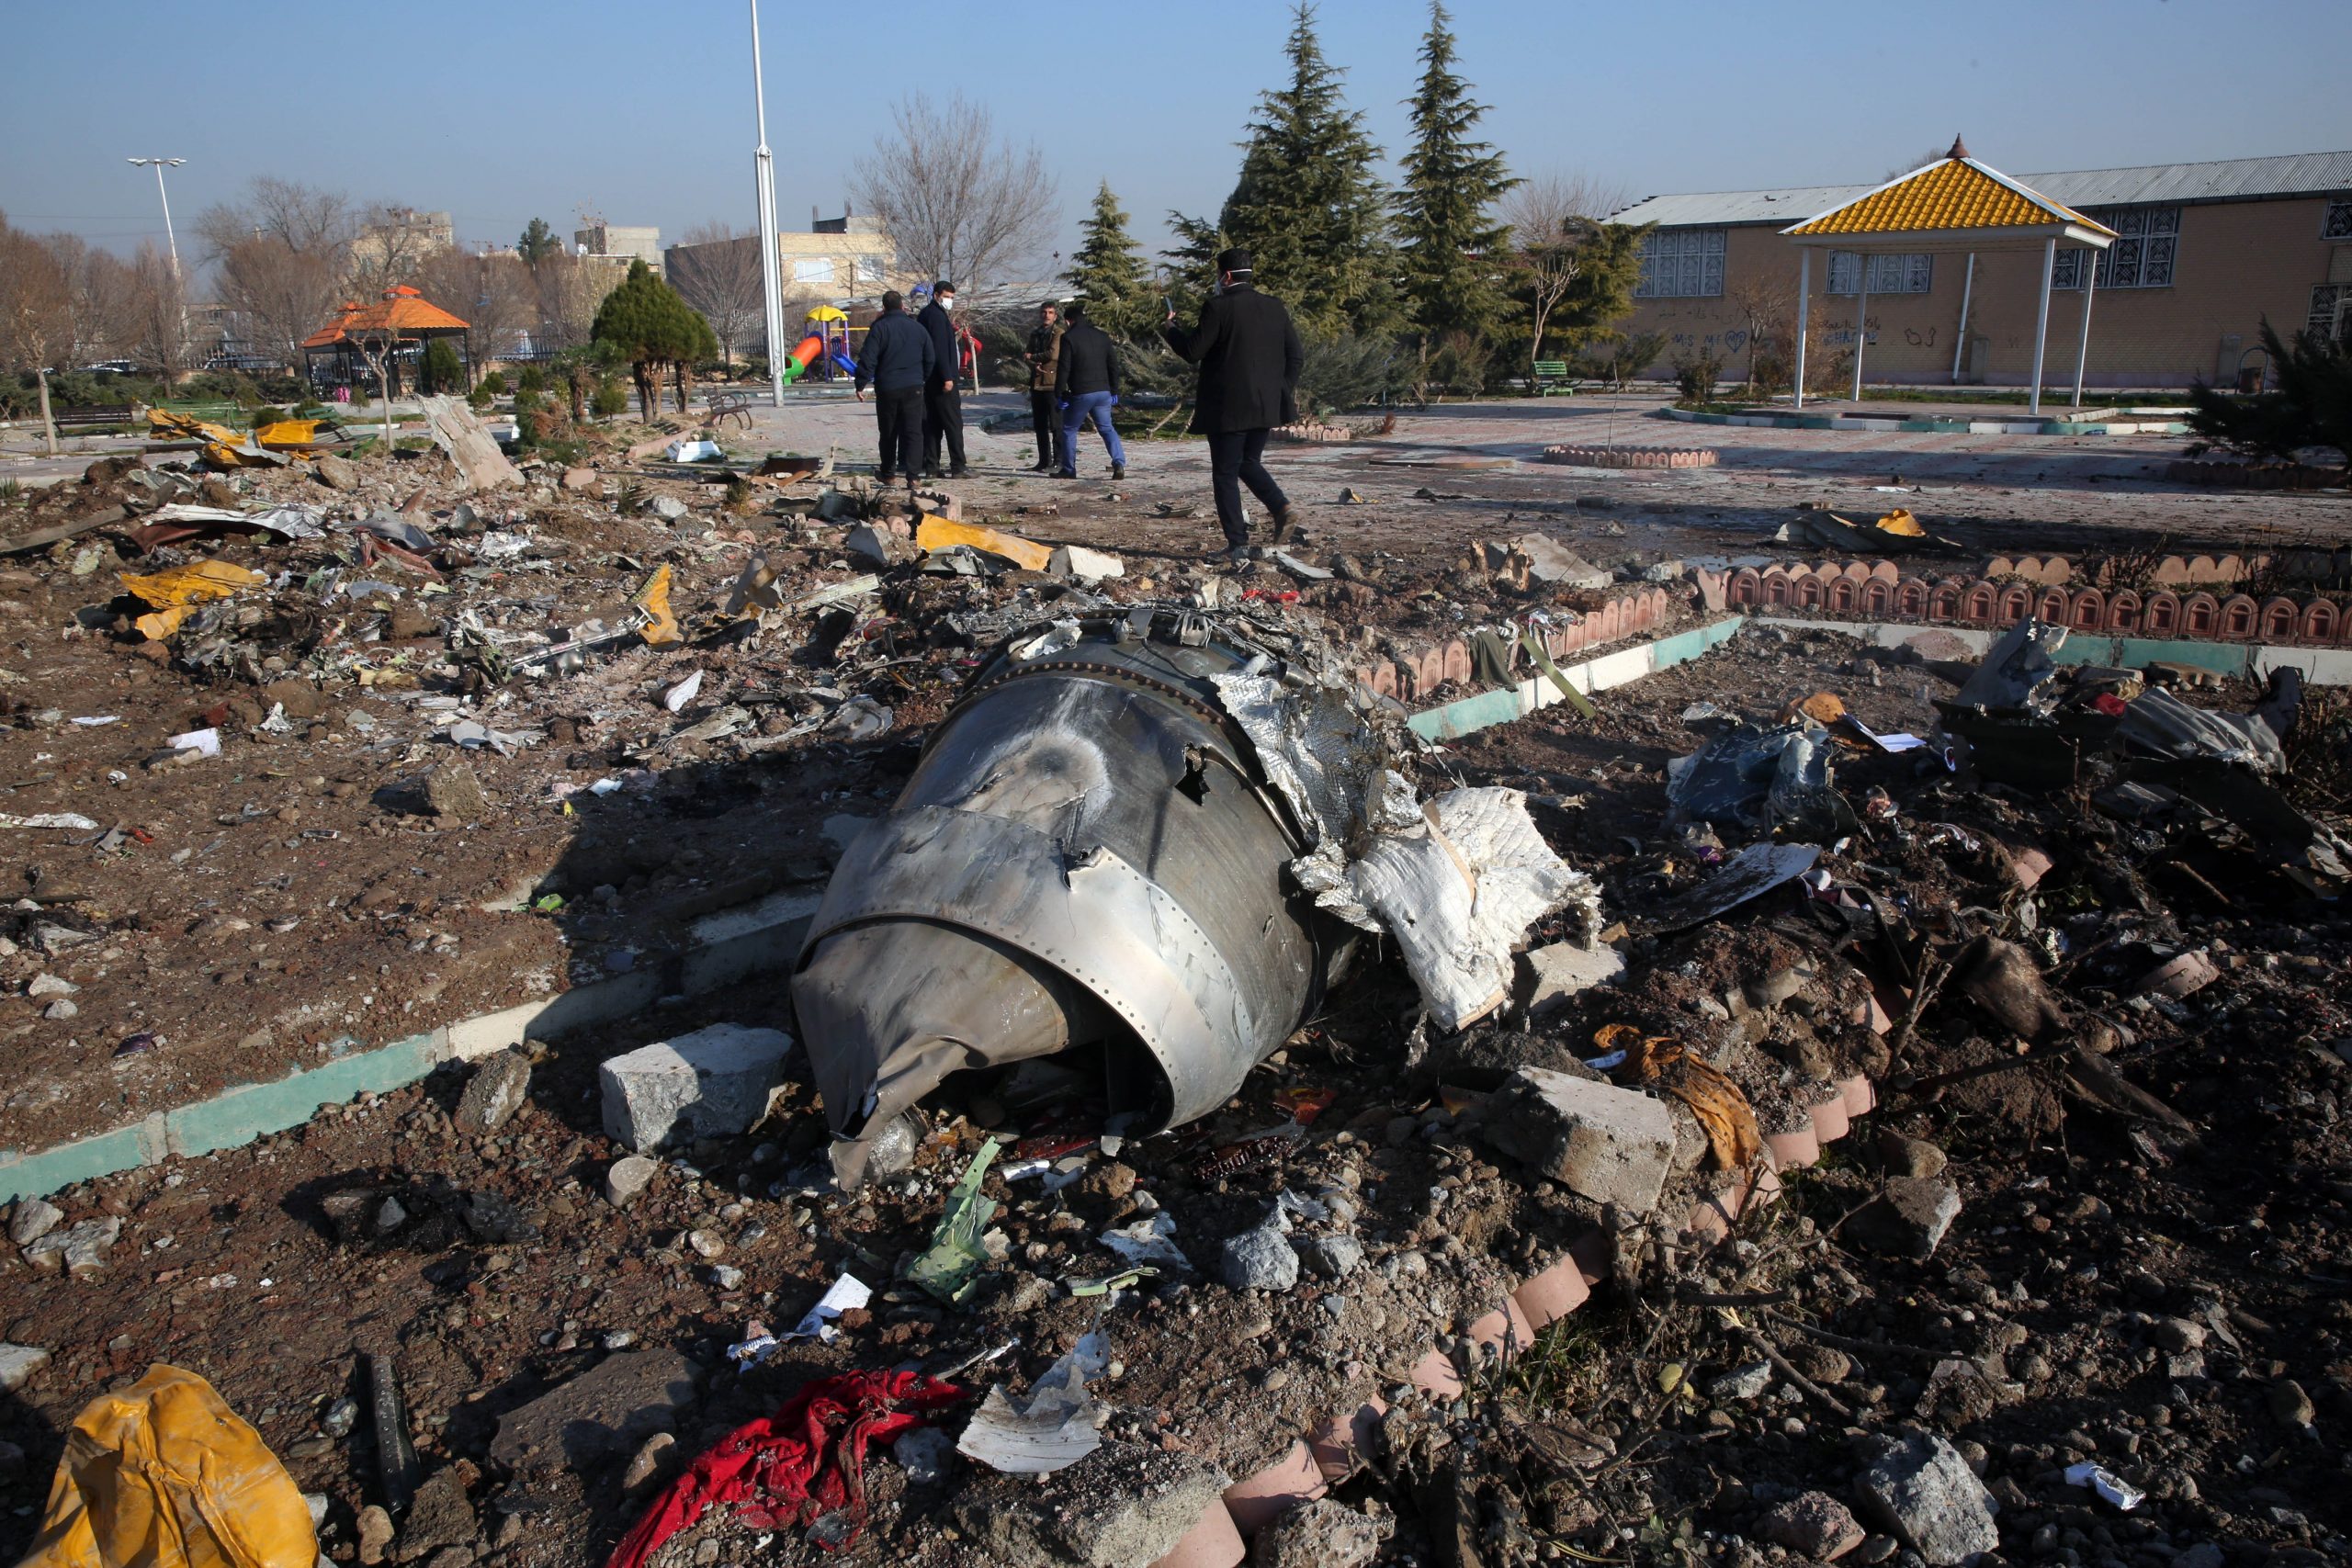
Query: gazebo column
{"x": 1805, "y": 304}
{"x": 2041, "y": 319}
{"x": 2083, "y": 348}
{"x": 1862, "y": 315}
{"x": 1960, "y": 342}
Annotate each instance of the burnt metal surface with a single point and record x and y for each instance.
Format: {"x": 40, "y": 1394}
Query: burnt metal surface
{"x": 1086, "y": 855}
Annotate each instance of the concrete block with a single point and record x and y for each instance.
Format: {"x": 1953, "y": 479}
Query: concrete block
{"x": 495, "y": 1092}
{"x": 18, "y": 1362}
{"x": 1610, "y": 1144}
{"x": 1549, "y": 976}
{"x": 1086, "y": 566}
{"x": 1923, "y": 1492}
{"x": 711, "y": 1083}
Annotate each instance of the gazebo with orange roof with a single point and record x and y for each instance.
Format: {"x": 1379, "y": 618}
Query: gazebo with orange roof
{"x": 402, "y": 315}
{"x": 1953, "y": 204}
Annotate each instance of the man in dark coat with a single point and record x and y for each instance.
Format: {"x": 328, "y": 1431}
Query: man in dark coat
{"x": 1086, "y": 382}
{"x": 943, "y": 402}
{"x": 1249, "y": 357}
{"x": 896, "y": 359}
{"x": 1045, "y": 414}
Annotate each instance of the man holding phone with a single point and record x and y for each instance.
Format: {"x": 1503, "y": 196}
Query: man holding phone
{"x": 1249, "y": 357}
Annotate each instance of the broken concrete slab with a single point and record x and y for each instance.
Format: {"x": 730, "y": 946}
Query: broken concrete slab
{"x": 34, "y": 1218}
{"x": 336, "y": 473}
{"x": 497, "y": 1089}
{"x": 1815, "y": 1526}
{"x": 1923, "y": 1492}
{"x": 1550, "y": 561}
{"x": 1908, "y": 1219}
{"x": 1325, "y": 1533}
{"x": 712, "y": 1083}
{"x": 610, "y": 1408}
{"x": 472, "y": 450}
{"x": 1610, "y": 1144}
{"x": 453, "y": 790}
{"x": 1549, "y": 976}
{"x": 1086, "y": 566}
{"x": 79, "y": 1250}
{"x": 17, "y": 1363}
{"x": 1122, "y": 1505}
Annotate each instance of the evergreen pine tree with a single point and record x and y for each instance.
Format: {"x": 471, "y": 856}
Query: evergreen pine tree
{"x": 1109, "y": 273}
{"x": 1453, "y": 255}
{"x": 652, "y": 328}
{"x": 1307, "y": 206}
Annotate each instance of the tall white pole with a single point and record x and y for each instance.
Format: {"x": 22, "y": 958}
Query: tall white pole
{"x": 1861, "y": 316}
{"x": 2083, "y": 350}
{"x": 1959, "y": 343}
{"x": 2041, "y": 320}
{"x": 1804, "y": 307}
{"x": 170, "y": 238}
{"x": 764, "y": 169}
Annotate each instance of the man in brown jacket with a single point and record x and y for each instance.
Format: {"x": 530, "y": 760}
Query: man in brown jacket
{"x": 1044, "y": 349}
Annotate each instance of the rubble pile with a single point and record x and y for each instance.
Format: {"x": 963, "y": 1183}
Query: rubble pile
{"x": 1815, "y": 1102}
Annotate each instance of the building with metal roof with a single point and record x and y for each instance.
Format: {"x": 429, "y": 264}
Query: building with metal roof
{"x": 2203, "y": 254}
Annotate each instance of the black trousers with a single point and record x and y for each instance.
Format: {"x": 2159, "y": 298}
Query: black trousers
{"x": 1237, "y": 457}
{"x": 898, "y": 417}
{"x": 1046, "y": 417}
{"x": 943, "y": 418}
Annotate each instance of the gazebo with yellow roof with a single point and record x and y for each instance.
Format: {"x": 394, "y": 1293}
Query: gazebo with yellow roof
{"x": 1953, "y": 204}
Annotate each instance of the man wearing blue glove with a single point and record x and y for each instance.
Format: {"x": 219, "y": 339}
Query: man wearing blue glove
{"x": 1086, "y": 383}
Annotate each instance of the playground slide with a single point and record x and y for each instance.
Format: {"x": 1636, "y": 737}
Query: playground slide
{"x": 803, "y": 353}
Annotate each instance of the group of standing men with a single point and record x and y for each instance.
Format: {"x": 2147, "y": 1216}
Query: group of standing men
{"x": 1248, "y": 353}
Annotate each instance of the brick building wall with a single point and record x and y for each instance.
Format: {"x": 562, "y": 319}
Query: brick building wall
{"x": 2237, "y": 262}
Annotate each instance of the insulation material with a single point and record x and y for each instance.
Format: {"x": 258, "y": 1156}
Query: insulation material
{"x": 1459, "y": 892}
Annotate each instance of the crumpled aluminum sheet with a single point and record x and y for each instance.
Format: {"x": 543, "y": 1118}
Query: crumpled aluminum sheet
{"x": 1319, "y": 752}
{"x": 2015, "y": 672}
{"x": 1054, "y": 1427}
{"x": 2161, "y": 724}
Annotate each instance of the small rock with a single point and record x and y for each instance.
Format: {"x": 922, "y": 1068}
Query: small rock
{"x": 1746, "y": 1383}
{"x": 50, "y": 985}
{"x": 628, "y": 1176}
{"x": 1909, "y": 1156}
{"x": 336, "y": 473}
{"x": 668, "y": 508}
{"x": 706, "y": 1243}
{"x": 580, "y": 481}
{"x": 652, "y": 1462}
{"x": 2176, "y": 1335}
{"x": 34, "y": 1218}
{"x": 727, "y": 1277}
{"x": 1823, "y": 1363}
{"x": 18, "y": 1362}
{"x": 1908, "y": 1219}
{"x": 1261, "y": 1259}
{"x": 495, "y": 1092}
{"x": 926, "y": 1454}
{"x": 1331, "y": 1257}
{"x": 451, "y": 790}
{"x": 60, "y": 1011}
{"x": 375, "y": 1534}
{"x": 1325, "y": 1533}
{"x": 80, "y": 1250}
{"x": 1925, "y": 1493}
{"x": 2289, "y": 1405}
{"x": 1814, "y": 1524}
{"x": 341, "y": 1417}
{"x": 2204, "y": 1554}
{"x": 438, "y": 1516}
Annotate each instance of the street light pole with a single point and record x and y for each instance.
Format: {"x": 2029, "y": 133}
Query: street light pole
{"x": 764, "y": 179}
{"x": 159, "y": 165}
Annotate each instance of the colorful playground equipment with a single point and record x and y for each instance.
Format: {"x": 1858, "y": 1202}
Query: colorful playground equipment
{"x": 826, "y": 347}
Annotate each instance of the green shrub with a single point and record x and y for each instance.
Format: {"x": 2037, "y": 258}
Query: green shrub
{"x": 611, "y": 398}
{"x": 2311, "y": 406}
{"x": 1695, "y": 376}
{"x": 494, "y": 384}
{"x": 480, "y": 397}
{"x": 267, "y": 415}
{"x": 442, "y": 370}
{"x": 532, "y": 380}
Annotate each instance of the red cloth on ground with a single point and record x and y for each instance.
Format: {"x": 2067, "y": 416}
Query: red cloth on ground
{"x": 804, "y": 1461}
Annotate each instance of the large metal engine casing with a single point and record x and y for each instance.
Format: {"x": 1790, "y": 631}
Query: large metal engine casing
{"x": 1086, "y": 853}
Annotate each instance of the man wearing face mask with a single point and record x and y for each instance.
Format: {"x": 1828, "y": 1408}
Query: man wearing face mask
{"x": 943, "y": 403}
{"x": 1250, "y": 357}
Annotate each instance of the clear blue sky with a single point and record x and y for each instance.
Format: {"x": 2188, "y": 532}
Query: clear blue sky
{"x": 498, "y": 111}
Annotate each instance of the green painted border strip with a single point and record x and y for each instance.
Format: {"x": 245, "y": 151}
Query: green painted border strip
{"x": 2321, "y": 666}
{"x": 1484, "y": 710}
{"x": 2027, "y": 424}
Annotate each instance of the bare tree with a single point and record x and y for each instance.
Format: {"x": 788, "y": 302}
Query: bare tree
{"x": 106, "y": 307}
{"x": 494, "y": 295}
{"x": 36, "y": 302}
{"x": 570, "y": 289}
{"x": 718, "y": 270}
{"x": 305, "y": 219}
{"x": 158, "y": 320}
{"x": 1766, "y": 300}
{"x": 1551, "y": 214}
{"x": 280, "y": 253}
{"x": 389, "y": 244}
{"x": 959, "y": 202}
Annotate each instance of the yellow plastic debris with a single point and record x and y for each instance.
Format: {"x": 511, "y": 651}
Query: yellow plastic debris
{"x": 163, "y": 1474}
{"x": 939, "y": 533}
{"x": 177, "y": 591}
{"x": 1718, "y": 1102}
{"x": 1900, "y": 520}
{"x": 655, "y": 600}
{"x": 1824, "y": 709}
{"x": 289, "y": 432}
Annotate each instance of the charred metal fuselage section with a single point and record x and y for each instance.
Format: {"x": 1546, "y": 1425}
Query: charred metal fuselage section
{"x": 1087, "y": 854}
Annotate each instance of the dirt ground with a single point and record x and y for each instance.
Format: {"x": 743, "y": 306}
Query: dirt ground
{"x": 302, "y": 895}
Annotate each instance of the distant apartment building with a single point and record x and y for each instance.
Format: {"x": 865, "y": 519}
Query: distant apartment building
{"x": 839, "y": 261}
{"x": 2204, "y": 253}
{"x": 619, "y": 243}
{"x": 391, "y": 239}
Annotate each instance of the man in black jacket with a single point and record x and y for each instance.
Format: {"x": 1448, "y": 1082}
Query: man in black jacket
{"x": 896, "y": 359}
{"x": 1249, "y": 357}
{"x": 943, "y": 403}
{"x": 1086, "y": 382}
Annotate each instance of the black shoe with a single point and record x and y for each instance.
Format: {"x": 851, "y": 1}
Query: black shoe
{"x": 959, "y": 472}
{"x": 930, "y": 471}
{"x": 886, "y": 477}
{"x": 1233, "y": 557}
{"x": 1118, "y": 470}
{"x": 1043, "y": 466}
{"x": 1282, "y": 521}
{"x": 1065, "y": 473}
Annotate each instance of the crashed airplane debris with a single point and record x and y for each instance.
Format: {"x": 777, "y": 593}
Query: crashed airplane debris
{"x": 1132, "y": 836}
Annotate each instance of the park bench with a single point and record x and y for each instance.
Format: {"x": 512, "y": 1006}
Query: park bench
{"x": 725, "y": 406}
{"x": 94, "y": 415}
{"x": 1552, "y": 376}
